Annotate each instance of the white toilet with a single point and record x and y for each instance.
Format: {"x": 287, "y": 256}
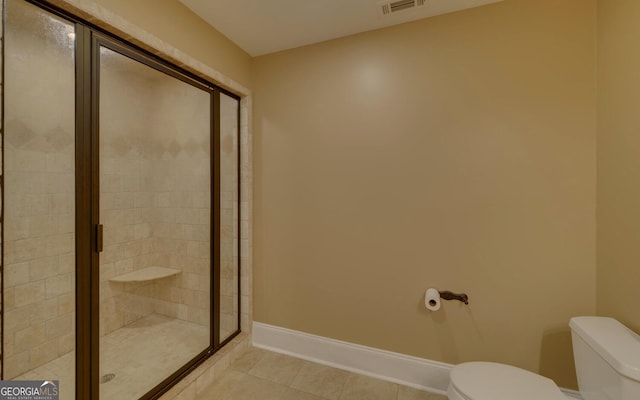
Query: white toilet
{"x": 607, "y": 359}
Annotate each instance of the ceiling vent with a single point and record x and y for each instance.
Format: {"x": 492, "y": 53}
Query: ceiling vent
{"x": 391, "y": 7}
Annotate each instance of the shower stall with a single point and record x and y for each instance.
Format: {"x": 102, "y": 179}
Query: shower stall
{"x": 120, "y": 211}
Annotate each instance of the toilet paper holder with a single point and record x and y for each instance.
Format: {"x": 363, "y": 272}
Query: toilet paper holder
{"x": 448, "y": 295}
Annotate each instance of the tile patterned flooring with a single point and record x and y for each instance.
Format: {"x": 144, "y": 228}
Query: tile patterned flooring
{"x": 256, "y": 375}
{"x": 262, "y": 375}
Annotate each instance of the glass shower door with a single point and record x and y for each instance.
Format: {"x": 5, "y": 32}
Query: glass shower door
{"x": 39, "y": 207}
{"x": 120, "y": 219}
{"x": 155, "y": 211}
{"x": 229, "y": 153}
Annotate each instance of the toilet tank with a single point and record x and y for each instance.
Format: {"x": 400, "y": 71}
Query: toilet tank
{"x": 607, "y": 359}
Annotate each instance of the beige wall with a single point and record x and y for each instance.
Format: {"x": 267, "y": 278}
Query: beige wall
{"x": 175, "y": 24}
{"x": 456, "y": 152}
{"x": 618, "y": 160}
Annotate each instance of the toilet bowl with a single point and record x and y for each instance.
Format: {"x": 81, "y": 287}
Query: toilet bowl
{"x": 607, "y": 360}
{"x": 492, "y": 381}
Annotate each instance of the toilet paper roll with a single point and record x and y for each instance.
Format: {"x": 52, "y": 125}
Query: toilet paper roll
{"x": 432, "y": 299}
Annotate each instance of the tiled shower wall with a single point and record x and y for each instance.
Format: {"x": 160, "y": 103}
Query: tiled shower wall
{"x": 39, "y": 218}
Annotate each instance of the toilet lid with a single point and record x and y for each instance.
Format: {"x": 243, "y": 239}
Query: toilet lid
{"x": 492, "y": 381}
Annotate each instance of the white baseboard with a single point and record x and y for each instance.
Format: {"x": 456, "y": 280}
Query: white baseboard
{"x": 394, "y": 367}
{"x": 399, "y": 368}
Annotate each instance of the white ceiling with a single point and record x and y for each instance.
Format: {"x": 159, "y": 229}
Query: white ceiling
{"x": 266, "y": 26}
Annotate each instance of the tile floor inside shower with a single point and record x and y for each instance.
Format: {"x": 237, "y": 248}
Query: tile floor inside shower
{"x": 262, "y": 375}
{"x": 138, "y": 355}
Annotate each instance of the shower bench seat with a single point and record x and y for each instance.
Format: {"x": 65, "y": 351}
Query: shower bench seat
{"x": 146, "y": 274}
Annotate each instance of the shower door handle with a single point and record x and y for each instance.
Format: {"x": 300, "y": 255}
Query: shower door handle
{"x": 99, "y": 238}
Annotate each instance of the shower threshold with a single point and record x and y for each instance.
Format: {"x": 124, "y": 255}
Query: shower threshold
{"x": 138, "y": 356}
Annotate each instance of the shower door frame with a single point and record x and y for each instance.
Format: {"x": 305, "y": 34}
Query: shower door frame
{"x": 89, "y": 38}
